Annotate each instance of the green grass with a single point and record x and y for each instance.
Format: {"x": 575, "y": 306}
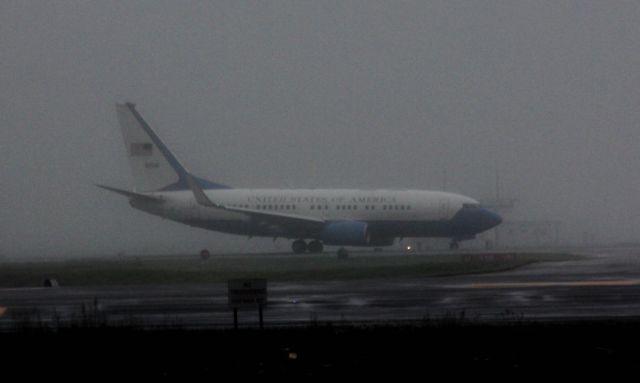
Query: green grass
{"x": 176, "y": 270}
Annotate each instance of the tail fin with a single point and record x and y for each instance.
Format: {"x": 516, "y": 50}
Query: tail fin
{"x": 153, "y": 165}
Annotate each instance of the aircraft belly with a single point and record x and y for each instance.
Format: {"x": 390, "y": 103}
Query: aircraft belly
{"x": 241, "y": 227}
{"x": 440, "y": 228}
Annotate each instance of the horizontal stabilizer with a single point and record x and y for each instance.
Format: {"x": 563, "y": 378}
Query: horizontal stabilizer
{"x": 130, "y": 194}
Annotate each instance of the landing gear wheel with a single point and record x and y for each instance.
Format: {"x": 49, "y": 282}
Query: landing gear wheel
{"x": 343, "y": 253}
{"x": 205, "y": 254}
{"x": 454, "y": 245}
{"x": 315, "y": 247}
{"x": 299, "y": 246}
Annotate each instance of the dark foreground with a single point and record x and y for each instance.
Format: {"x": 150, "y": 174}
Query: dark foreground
{"x": 454, "y": 348}
{"x": 576, "y": 318}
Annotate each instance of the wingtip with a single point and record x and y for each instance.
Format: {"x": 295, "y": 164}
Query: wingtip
{"x": 198, "y": 193}
{"x": 128, "y": 104}
{"x": 109, "y": 188}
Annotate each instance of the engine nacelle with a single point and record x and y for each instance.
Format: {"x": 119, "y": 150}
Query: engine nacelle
{"x": 345, "y": 233}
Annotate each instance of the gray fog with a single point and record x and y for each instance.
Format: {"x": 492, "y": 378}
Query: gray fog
{"x": 336, "y": 94}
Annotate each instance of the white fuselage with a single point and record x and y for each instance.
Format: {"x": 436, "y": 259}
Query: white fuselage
{"x": 388, "y": 214}
{"x": 327, "y": 204}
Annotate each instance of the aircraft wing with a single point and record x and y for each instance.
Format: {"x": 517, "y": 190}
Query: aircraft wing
{"x": 283, "y": 219}
{"x": 291, "y": 221}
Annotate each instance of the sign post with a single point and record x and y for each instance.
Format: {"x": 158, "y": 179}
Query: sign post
{"x": 247, "y": 293}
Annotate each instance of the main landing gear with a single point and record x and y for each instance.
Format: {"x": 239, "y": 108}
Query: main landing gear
{"x": 299, "y": 246}
{"x": 315, "y": 247}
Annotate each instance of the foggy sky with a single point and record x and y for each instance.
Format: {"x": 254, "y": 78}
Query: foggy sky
{"x": 352, "y": 94}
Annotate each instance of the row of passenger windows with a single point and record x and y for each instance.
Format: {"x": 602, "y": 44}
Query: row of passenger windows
{"x": 325, "y": 207}
{"x": 396, "y": 207}
{"x": 276, "y": 207}
{"x": 366, "y": 207}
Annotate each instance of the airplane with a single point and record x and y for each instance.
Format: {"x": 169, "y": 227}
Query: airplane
{"x": 311, "y": 218}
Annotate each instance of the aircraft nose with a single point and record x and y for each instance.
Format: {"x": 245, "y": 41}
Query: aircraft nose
{"x": 473, "y": 220}
{"x": 490, "y": 219}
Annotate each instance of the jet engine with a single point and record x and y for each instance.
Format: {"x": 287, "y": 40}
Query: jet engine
{"x": 345, "y": 233}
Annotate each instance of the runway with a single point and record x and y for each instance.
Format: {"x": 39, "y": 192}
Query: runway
{"x": 606, "y": 285}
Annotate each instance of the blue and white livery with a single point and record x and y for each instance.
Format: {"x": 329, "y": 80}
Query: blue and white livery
{"x": 310, "y": 217}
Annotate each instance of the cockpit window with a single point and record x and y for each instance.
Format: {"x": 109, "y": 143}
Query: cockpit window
{"x": 471, "y": 205}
